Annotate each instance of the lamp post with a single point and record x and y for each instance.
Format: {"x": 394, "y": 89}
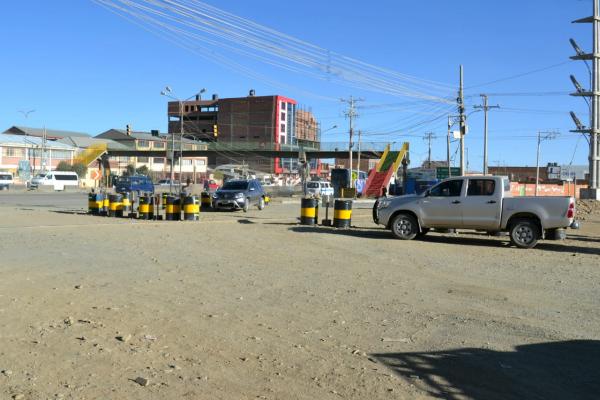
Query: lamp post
{"x": 166, "y": 93}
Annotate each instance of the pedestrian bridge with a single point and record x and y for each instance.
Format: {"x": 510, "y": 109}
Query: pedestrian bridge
{"x": 368, "y": 150}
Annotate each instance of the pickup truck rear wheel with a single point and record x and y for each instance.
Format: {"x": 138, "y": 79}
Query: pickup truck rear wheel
{"x": 405, "y": 227}
{"x": 524, "y": 233}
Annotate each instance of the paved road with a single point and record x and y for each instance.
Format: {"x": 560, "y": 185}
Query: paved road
{"x": 67, "y": 201}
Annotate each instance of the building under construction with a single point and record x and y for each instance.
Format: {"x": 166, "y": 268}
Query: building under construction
{"x": 261, "y": 122}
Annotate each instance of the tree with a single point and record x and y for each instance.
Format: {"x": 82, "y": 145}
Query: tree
{"x": 80, "y": 169}
{"x": 129, "y": 170}
{"x": 143, "y": 170}
{"x": 63, "y": 166}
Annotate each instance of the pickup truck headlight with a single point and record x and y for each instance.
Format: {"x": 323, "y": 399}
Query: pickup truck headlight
{"x": 384, "y": 204}
{"x": 239, "y": 195}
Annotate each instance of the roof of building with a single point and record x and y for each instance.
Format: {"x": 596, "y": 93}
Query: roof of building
{"x": 84, "y": 142}
{"x": 29, "y": 141}
{"x": 121, "y": 135}
{"x": 39, "y": 132}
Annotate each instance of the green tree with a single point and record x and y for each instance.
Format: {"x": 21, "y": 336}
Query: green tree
{"x": 143, "y": 170}
{"x": 129, "y": 170}
{"x": 63, "y": 166}
{"x": 80, "y": 169}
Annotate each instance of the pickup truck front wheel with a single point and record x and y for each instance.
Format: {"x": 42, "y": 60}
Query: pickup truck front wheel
{"x": 405, "y": 227}
{"x": 524, "y": 233}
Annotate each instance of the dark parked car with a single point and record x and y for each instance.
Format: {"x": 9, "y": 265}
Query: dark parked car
{"x": 239, "y": 195}
{"x": 137, "y": 183}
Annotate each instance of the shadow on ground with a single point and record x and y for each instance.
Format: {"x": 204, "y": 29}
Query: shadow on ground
{"x": 462, "y": 240}
{"x": 365, "y": 233}
{"x": 72, "y": 212}
{"x": 557, "y": 370}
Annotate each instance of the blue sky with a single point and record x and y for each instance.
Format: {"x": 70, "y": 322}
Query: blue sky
{"x": 83, "y": 68}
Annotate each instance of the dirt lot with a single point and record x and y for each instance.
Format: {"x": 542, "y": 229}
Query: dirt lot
{"x": 253, "y": 306}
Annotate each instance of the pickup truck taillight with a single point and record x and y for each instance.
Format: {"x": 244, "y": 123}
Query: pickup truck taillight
{"x": 571, "y": 211}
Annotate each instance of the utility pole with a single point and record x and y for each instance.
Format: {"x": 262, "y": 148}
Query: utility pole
{"x": 593, "y": 191}
{"x": 540, "y": 138}
{"x": 44, "y": 138}
{"x": 351, "y": 114}
{"x": 463, "y": 122}
{"x": 429, "y": 136}
{"x": 358, "y": 158}
{"x": 485, "y": 107}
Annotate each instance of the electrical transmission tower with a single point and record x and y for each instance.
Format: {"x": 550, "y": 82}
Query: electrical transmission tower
{"x": 593, "y": 191}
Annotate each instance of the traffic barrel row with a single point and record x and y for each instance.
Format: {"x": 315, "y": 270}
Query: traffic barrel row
{"x": 342, "y": 212}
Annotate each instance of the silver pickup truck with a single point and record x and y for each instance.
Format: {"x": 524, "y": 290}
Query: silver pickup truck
{"x": 480, "y": 203}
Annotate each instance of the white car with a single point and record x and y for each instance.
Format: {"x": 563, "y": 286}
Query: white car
{"x": 59, "y": 180}
{"x": 6, "y": 179}
{"x": 319, "y": 188}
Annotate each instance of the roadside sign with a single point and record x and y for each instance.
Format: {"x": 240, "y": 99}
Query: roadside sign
{"x": 442, "y": 172}
{"x": 95, "y": 175}
{"x": 24, "y": 170}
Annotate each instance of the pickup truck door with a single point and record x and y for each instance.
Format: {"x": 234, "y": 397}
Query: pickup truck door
{"x": 442, "y": 206}
{"x": 483, "y": 204}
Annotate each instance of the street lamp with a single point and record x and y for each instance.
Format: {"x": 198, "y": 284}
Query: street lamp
{"x": 166, "y": 93}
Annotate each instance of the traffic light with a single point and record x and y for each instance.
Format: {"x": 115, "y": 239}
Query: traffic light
{"x": 215, "y": 130}
{"x": 128, "y": 130}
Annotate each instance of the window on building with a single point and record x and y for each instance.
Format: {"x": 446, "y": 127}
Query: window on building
{"x": 142, "y": 159}
{"x": 188, "y": 147}
{"x": 282, "y": 128}
{"x": 186, "y": 162}
{"x": 60, "y": 154}
{"x": 13, "y": 152}
{"x": 283, "y": 116}
{"x": 158, "y": 160}
{"x": 283, "y": 105}
{"x": 143, "y": 143}
{"x": 158, "y": 145}
{"x": 200, "y": 162}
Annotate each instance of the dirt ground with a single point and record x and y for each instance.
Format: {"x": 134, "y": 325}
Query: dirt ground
{"x": 253, "y": 306}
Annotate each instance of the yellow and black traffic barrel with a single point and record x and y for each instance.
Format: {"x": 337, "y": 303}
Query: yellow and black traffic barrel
{"x": 127, "y": 205}
{"x": 206, "y": 201}
{"x": 342, "y": 213}
{"x": 191, "y": 208}
{"x": 115, "y": 206}
{"x": 164, "y": 201}
{"x": 309, "y": 211}
{"x": 105, "y": 205}
{"x": 146, "y": 207}
{"x": 95, "y": 203}
{"x": 172, "y": 208}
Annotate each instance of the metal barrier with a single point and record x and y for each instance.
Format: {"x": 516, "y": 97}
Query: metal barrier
{"x": 206, "y": 201}
{"x": 191, "y": 208}
{"x": 146, "y": 208}
{"x": 95, "y": 203}
{"x": 342, "y": 213}
{"x": 115, "y": 205}
{"x": 309, "y": 211}
{"x": 127, "y": 203}
{"x": 172, "y": 208}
